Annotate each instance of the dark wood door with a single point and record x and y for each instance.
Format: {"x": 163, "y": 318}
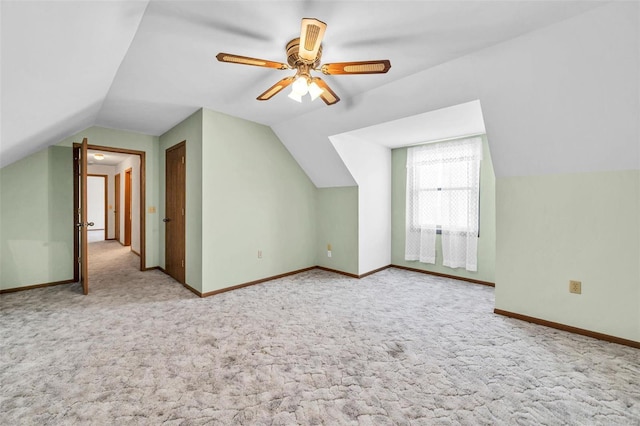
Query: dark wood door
{"x": 116, "y": 211}
{"x": 174, "y": 219}
{"x": 84, "y": 246}
{"x": 127, "y": 207}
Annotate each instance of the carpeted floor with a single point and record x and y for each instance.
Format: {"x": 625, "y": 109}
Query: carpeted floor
{"x": 316, "y": 348}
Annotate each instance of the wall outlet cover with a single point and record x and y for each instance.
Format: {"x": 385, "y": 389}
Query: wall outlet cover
{"x": 575, "y": 287}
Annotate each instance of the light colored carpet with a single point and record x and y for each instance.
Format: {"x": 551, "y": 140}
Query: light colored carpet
{"x": 316, "y": 348}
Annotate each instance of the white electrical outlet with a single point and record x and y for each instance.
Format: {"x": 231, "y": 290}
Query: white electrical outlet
{"x": 328, "y": 253}
{"x": 259, "y": 254}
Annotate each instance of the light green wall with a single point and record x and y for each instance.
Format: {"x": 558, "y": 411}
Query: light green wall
{"x": 337, "y": 224}
{"x": 135, "y": 141}
{"x": 581, "y": 227}
{"x": 254, "y": 197}
{"x": 190, "y": 130}
{"x": 36, "y": 226}
{"x": 487, "y": 240}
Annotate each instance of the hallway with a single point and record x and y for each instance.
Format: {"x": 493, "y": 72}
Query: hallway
{"x": 115, "y": 268}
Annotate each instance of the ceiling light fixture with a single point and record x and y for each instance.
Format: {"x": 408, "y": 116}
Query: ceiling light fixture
{"x": 315, "y": 91}
{"x": 295, "y": 97}
{"x": 98, "y": 157}
{"x": 302, "y": 85}
{"x": 304, "y": 55}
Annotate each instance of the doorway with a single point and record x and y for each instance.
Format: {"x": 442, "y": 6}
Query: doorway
{"x": 97, "y": 202}
{"x": 174, "y": 220}
{"x": 140, "y": 202}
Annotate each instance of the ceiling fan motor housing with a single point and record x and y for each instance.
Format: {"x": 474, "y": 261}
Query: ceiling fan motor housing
{"x": 293, "y": 57}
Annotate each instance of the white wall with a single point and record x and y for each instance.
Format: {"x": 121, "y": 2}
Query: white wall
{"x": 370, "y": 166}
{"x": 110, "y": 171}
{"x": 96, "y": 186}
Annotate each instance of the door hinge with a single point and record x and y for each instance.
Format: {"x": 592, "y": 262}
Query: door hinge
{"x": 79, "y": 260}
{"x": 183, "y": 159}
{"x": 183, "y": 263}
{"x": 183, "y": 212}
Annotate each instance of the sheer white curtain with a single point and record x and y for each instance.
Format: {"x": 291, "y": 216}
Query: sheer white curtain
{"x": 421, "y": 210}
{"x": 443, "y": 188}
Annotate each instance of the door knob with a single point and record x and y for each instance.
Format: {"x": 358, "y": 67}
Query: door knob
{"x": 166, "y": 219}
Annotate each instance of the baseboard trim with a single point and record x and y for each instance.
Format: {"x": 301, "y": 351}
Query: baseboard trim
{"x": 453, "y": 277}
{"x": 286, "y": 274}
{"x": 250, "y": 283}
{"x": 135, "y": 252}
{"x": 335, "y": 271}
{"x": 109, "y": 239}
{"x": 570, "y": 329}
{"x": 349, "y": 274}
{"x": 191, "y": 289}
{"x": 375, "y": 271}
{"x": 187, "y": 286}
{"x": 31, "y": 287}
{"x": 275, "y": 277}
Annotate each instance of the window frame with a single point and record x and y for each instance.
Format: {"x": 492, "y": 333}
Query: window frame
{"x": 413, "y": 227}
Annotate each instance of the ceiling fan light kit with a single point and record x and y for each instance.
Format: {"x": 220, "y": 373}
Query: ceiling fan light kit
{"x": 314, "y": 90}
{"x": 303, "y": 55}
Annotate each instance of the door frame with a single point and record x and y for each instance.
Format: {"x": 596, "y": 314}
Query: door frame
{"x": 128, "y": 199}
{"x": 106, "y": 202}
{"x": 116, "y": 206}
{"x": 143, "y": 208}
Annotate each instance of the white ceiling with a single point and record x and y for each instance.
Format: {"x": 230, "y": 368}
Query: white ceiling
{"x": 145, "y": 66}
{"x": 110, "y": 158}
{"x": 438, "y": 125}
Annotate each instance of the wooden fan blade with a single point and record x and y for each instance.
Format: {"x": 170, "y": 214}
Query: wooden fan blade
{"x": 275, "y": 89}
{"x": 362, "y": 67}
{"x": 328, "y": 96}
{"x": 311, "y": 35}
{"x": 246, "y": 60}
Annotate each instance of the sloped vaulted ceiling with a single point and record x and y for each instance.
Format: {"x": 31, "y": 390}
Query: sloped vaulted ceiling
{"x": 59, "y": 60}
{"x": 145, "y": 66}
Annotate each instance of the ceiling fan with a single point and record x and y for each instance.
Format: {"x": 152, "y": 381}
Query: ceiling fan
{"x": 303, "y": 55}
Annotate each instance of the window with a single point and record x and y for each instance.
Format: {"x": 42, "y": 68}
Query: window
{"x": 443, "y": 187}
